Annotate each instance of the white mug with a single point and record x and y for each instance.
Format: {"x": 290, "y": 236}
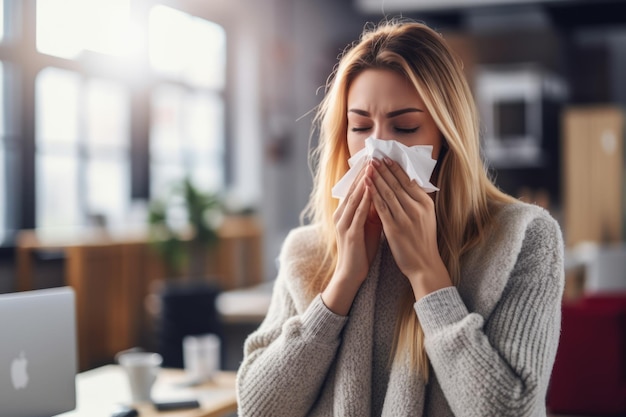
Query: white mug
{"x": 201, "y": 355}
{"x": 142, "y": 369}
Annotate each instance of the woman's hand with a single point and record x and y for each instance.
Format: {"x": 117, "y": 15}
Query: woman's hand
{"x": 358, "y": 232}
{"x": 408, "y": 218}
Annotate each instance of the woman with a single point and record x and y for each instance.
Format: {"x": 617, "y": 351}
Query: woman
{"x": 395, "y": 302}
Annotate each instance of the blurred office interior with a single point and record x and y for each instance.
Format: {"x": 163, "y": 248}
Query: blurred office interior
{"x": 106, "y": 106}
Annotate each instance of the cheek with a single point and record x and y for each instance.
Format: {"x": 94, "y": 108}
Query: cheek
{"x": 436, "y": 141}
{"x": 436, "y": 149}
{"x": 355, "y": 143}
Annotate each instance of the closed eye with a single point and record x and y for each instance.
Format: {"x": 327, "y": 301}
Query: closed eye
{"x": 360, "y": 129}
{"x": 407, "y": 131}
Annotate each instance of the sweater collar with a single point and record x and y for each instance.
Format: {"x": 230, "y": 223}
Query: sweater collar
{"x": 354, "y": 362}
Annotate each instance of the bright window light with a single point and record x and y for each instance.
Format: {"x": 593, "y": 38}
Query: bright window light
{"x": 166, "y": 39}
{"x": 57, "y": 108}
{"x": 187, "y": 123}
{"x": 57, "y": 28}
{"x": 187, "y": 138}
{"x": 207, "y": 51}
{"x": 187, "y": 48}
{"x": 67, "y": 27}
{"x": 107, "y": 113}
{"x": 166, "y": 121}
{"x": 108, "y": 192}
{"x": 83, "y": 138}
{"x": 57, "y": 104}
{"x": 204, "y": 144}
{"x": 3, "y": 195}
{"x": 57, "y": 207}
{"x": 107, "y": 110}
{"x": 109, "y": 26}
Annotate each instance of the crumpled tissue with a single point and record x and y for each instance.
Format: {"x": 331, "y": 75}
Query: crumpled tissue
{"x": 416, "y": 161}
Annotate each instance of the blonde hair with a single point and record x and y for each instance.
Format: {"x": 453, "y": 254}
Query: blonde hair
{"x": 464, "y": 203}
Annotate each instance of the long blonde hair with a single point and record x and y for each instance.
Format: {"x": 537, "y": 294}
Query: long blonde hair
{"x": 464, "y": 203}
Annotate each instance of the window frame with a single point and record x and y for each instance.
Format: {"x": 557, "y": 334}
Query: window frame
{"x": 18, "y": 50}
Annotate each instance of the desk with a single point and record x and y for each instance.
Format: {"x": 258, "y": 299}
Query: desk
{"x": 246, "y": 305}
{"x": 100, "y": 389}
{"x": 235, "y": 261}
{"x": 112, "y": 273}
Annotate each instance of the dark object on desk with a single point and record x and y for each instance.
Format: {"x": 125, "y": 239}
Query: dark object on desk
{"x": 176, "y": 405}
{"x": 124, "y": 411}
{"x": 188, "y": 308}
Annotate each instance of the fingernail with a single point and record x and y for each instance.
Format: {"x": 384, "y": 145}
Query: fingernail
{"x": 375, "y": 162}
{"x": 388, "y": 161}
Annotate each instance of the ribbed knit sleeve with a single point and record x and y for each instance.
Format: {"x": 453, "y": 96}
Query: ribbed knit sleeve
{"x": 286, "y": 360}
{"x": 500, "y": 365}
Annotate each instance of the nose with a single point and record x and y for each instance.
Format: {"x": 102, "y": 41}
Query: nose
{"x": 378, "y": 132}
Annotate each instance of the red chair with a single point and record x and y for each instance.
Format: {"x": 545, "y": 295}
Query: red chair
{"x": 589, "y": 374}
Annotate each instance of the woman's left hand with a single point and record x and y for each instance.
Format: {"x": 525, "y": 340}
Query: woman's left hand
{"x": 408, "y": 217}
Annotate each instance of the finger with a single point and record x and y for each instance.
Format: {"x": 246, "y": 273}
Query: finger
{"x": 402, "y": 180}
{"x": 362, "y": 211}
{"x": 397, "y": 171}
{"x": 379, "y": 203}
{"x": 343, "y": 202}
{"x": 344, "y": 218}
{"x": 389, "y": 189}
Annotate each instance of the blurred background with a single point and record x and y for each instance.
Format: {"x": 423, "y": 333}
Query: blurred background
{"x": 151, "y": 148}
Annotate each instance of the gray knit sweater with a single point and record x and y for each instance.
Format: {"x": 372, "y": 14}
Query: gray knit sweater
{"x": 491, "y": 340}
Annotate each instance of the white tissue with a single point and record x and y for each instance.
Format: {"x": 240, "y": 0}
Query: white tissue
{"x": 416, "y": 161}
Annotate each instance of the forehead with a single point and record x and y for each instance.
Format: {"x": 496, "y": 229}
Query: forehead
{"x": 382, "y": 88}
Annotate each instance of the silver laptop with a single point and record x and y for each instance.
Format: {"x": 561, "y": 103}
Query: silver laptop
{"x": 37, "y": 353}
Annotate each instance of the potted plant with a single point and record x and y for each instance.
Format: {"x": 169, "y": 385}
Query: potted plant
{"x": 183, "y": 227}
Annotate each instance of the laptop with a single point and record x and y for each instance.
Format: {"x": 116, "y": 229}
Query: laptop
{"x": 37, "y": 353}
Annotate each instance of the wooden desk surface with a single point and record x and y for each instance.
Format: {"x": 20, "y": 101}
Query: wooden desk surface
{"x": 101, "y": 389}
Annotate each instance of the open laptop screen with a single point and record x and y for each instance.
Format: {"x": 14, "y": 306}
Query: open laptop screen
{"x": 37, "y": 352}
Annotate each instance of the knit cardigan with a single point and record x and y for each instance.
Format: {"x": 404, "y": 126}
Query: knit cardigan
{"x": 491, "y": 340}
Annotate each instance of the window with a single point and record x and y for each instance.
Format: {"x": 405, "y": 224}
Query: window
{"x": 3, "y": 193}
{"x": 82, "y": 163}
{"x": 187, "y": 131}
{"x": 103, "y": 100}
{"x": 187, "y": 48}
{"x": 65, "y": 28}
{"x": 3, "y": 139}
{"x": 107, "y": 150}
{"x": 57, "y": 95}
{"x": 186, "y": 138}
{"x": 10, "y": 140}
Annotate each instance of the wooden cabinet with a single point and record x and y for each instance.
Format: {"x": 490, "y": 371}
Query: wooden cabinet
{"x": 593, "y": 172}
{"x": 112, "y": 275}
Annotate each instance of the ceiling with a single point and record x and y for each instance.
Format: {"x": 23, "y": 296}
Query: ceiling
{"x": 565, "y": 14}
{"x": 394, "y": 6}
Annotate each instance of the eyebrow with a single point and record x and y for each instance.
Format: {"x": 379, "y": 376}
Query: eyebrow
{"x": 390, "y": 114}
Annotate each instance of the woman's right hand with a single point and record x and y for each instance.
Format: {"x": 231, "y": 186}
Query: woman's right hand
{"x": 358, "y": 232}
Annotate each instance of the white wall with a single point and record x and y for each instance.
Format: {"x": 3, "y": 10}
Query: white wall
{"x": 308, "y": 37}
